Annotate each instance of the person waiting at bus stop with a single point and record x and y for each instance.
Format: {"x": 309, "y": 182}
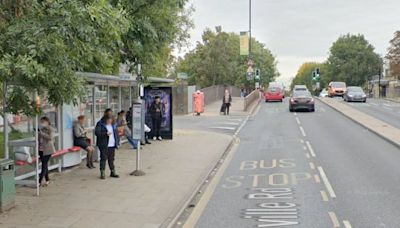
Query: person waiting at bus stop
{"x": 81, "y": 140}
{"x": 157, "y": 113}
{"x": 46, "y": 148}
{"x": 107, "y": 142}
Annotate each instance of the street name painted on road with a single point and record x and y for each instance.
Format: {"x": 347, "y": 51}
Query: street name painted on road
{"x": 274, "y": 212}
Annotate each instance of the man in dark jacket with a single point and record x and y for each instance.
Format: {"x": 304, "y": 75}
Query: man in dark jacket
{"x": 107, "y": 142}
{"x": 157, "y": 113}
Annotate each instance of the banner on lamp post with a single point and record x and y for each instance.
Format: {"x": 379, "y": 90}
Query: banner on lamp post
{"x": 244, "y": 43}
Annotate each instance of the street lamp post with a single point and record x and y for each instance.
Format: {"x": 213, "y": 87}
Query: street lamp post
{"x": 250, "y": 28}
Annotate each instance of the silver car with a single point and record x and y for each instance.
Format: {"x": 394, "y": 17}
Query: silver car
{"x": 354, "y": 93}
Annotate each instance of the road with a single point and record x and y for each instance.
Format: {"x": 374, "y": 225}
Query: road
{"x": 311, "y": 170}
{"x": 387, "y": 111}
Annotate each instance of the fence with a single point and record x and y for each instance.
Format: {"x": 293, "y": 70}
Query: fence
{"x": 254, "y": 96}
{"x": 215, "y": 93}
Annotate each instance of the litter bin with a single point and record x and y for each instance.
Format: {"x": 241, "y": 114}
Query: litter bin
{"x": 7, "y": 184}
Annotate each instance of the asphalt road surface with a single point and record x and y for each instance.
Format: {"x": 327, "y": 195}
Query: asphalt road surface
{"x": 312, "y": 170}
{"x": 383, "y": 110}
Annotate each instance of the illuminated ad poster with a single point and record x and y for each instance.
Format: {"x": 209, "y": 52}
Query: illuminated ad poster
{"x": 165, "y": 94}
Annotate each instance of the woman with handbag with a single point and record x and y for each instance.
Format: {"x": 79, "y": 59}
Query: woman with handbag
{"x": 81, "y": 140}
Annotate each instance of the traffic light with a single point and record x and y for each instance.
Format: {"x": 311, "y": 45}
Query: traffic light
{"x": 257, "y": 74}
{"x": 317, "y": 70}
{"x": 314, "y": 75}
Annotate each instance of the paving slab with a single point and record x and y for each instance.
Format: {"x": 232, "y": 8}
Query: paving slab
{"x": 78, "y": 198}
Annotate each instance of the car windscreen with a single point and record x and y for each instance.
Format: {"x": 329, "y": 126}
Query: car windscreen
{"x": 300, "y": 89}
{"x": 273, "y": 89}
{"x": 301, "y": 94}
{"x": 355, "y": 89}
{"x": 338, "y": 84}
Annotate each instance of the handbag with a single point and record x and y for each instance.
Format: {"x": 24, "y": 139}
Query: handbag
{"x": 121, "y": 131}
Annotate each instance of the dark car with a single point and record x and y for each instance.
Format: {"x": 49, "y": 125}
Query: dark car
{"x": 354, "y": 93}
{"x": 301, "y": 100}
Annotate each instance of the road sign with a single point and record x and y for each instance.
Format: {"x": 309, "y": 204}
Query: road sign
{"x": 182, "y": 75}
{"x": 250, "y": 76}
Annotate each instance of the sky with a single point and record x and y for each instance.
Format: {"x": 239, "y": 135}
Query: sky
{"x": 298, "y": 31}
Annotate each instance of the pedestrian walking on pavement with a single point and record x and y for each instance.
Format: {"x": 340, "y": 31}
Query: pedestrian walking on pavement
{"x": 226, "y": 101}
{"x": 157, "y": 114}
{"x": 46, "y": 148}
{"x": 107, "y": 142}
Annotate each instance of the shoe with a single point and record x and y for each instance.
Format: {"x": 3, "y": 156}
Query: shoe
{"x": 159, "y": 138}
{"x": 114, "y": 174}
{"x": 89, "y": 166}
{"x": 92, "y": 166}
{"x": 154, "y": 138}
{"x": 147, "y": 142}
{"x": 102, "y": 175}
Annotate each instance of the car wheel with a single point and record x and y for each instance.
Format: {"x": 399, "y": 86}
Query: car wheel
{"x": 364, "y": 100}
{"x": 281, "y": 100}
{"x": 290, "y": 109}
{"x": 266, "y": 101}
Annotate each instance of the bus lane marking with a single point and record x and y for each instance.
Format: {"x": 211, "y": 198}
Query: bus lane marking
{"x": 334, "y": 219}
{"x": 326, "y": 182}
{"x": 317, "y": 179}
{"x": 324, "y": 196}
{"x": 347, "y": 224}
{"x": 302, "y": 131}
{"x": 310, "y": 148}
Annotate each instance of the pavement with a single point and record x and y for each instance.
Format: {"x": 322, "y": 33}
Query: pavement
{"x": 213, "y": 121}
{"x": 311, "y": 170}
{"x": 174, "y": 171}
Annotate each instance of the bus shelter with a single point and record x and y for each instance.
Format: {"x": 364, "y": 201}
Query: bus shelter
{"x": 20, "y": 138}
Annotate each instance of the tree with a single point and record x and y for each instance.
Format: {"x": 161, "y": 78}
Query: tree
{"x": 352, "y": 60}
{"x": 157, "y": 26}
{"x": 43, "y": 43}
{"x": 393, "y": 55}
{"x": 216, "y": 60}
{"x": 304, "y": 75}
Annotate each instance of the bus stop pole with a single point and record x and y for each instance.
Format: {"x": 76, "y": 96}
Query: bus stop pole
{"x": 137, "y": 128}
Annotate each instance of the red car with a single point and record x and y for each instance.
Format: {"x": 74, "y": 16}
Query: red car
{"x": 274, "y": 94}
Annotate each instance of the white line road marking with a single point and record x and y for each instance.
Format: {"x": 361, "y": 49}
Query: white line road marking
{"x": 302, "y": 141}
{"x": 334, "y": 219}
{"x": 297, "y": 120}
{"x": 308, "y": 155}
{"x": 317, "y": 180}
{"x": 387, "y": 105}
{"x": 302, "y": 131}
{"x": 312, "y": 166}
{"x": 387, "y": 108}
{"x": 229, "y": 123}
{"x": 224, "y": 128}
{"x": 304, "y": 148}
{"x": 326, "y": 182}
{"x": 295, "y": 114}
{"x": 238, "y": 120}
{"x": 324, "y": 196}
{"x": 347, "y": 224}
{"x": 310, "y": 149}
